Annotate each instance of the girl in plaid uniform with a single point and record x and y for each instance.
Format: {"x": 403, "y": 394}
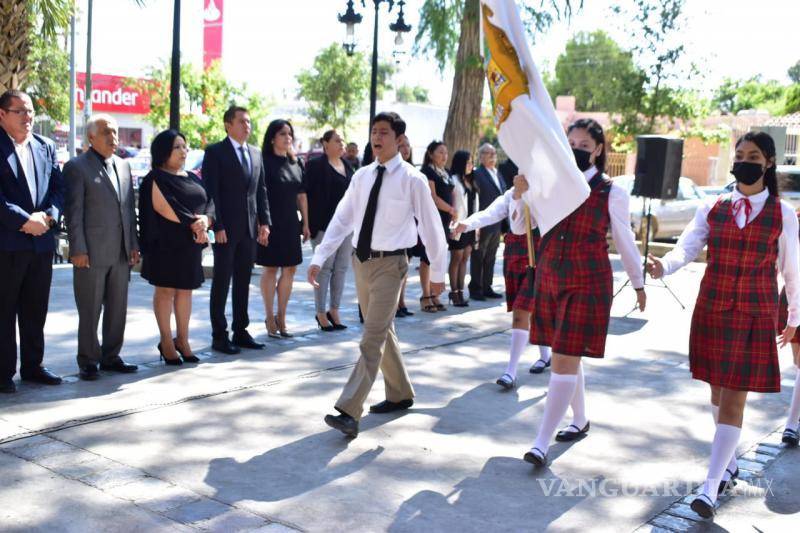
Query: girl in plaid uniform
{"x": 791, "y": 434}
{"x": 519, "y": 293}
{"x": 574, "y": 286}
{"x": 732, "y": 344}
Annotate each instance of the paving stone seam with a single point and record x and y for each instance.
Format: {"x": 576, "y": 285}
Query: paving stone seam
{"x": 142, "y": 475}
{"x": 678, "y": 522}
{"x": 161, "y": 405}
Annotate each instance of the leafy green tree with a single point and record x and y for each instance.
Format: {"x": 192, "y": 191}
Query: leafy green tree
{"x": 792, "y": 99}
{"x": 206, "y": 96}
{"x": 598, "y": 73}
{"x": 386, "y": 69}
{"x": 733, "y": 96}
{"x": 48, "y": 79}
{"x": 449, "y": 31}
{"x": 418, "y": 94}
{"x": 335, "y": 87}
{"x": 794, "y": 72}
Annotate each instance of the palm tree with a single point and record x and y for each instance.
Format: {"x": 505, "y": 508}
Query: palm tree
{"x": 18, "y": 20}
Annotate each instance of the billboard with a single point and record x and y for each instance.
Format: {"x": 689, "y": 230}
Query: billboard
{"x": 110, "y": 94}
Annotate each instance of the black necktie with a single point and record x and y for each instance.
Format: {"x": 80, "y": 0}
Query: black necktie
{"x": 245, "y": 163}
{"x": 365, "y": 235}
{"x": 112, "y": 175}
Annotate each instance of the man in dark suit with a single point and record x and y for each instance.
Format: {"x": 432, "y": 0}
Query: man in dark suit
{"x": 31, "y": 196}
{"x": 233, "y": 173}
{"x": 490, "y": 186}
{"x": 101, "y": 227}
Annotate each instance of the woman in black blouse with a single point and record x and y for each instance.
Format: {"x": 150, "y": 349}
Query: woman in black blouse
{"x": 286, "y": 193}
{"x": 327, "y": 179}
{"x": 442, "y": 187}
{"x": 174, "y": 217}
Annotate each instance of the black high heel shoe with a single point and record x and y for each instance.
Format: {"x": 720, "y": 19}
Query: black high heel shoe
{"x": 172, "y": 362}
{"x": 323, "y": 328}
{"x": 191, "y": 358}
{"x": 335, "y": 326}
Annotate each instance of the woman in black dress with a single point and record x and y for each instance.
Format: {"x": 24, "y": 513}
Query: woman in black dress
{"x": 286, "y": 193}
{"x": 327, "y": 179}
{"x": 174, "y": 217}
{"x": 442, "y": 187}
{"x": 465, "y": 197}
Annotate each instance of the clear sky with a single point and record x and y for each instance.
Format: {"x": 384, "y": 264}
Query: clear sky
{"x": 266, "y": 42}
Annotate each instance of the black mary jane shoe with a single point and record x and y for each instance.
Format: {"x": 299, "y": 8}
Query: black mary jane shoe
{"x": 539, "y": 366}
{"x": 569, "y": 436}
{"x": 323, "y": 328}
{"x": 791, "y": 438}
{"x": 506, "y": 381}
{"x": 726, "y": 485}
{"x": 337, "y": 327}
{"x": 191, "y": 358}
{"x": 536, "y": 457}
{"x": 702, "y": 505}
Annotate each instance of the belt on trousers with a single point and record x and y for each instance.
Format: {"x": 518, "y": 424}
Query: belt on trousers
{"x": 375, "y": 254}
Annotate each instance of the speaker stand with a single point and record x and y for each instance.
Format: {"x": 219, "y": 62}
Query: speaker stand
{"x": 662, "y": 283}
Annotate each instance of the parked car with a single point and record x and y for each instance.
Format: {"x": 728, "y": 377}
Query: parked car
{"x": 194, "y": 161}
{"x": 140, "y": 166}
{"x": 669, "y": 217}
{"x": 788, "y": 184}
{"x": 714, "y": 190}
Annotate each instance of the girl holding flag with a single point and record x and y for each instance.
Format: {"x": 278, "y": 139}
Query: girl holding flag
{"x": 574, "y": 285}
{"x": 518, "y": 274}
{"x": 750, "y": 233}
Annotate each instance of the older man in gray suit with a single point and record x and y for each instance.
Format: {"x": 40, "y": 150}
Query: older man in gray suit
{"x": 101, "y": 225}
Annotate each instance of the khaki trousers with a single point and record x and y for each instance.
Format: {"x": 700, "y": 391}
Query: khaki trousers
{"x": 378, "y": 282}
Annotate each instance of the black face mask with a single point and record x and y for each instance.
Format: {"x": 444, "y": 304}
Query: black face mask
{"x": 582, "y": 159}
{"x": 747, "y": 173}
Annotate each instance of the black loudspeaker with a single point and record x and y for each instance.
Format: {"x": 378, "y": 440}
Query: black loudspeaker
{"x": 658, "y": 166}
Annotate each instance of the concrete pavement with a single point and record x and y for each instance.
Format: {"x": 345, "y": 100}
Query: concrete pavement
{"x": 238, "y": 443}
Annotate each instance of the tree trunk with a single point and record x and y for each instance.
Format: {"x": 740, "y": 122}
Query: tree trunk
{"x": 15, "y": 28}
{"x": 462, "y": 131}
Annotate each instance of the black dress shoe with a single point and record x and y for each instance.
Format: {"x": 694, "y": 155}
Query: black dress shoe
{"x": 493, "y": 295}
{"x": 388, "y": 407}
{"x": 344, "y": 423}
{"x": 8, "y": 388}
{"x": 477, "y": 296}
{"x": 336, "y": 326}
{"x": 791, "y": 438}
{"x": 41, "y": 375}
{"x": 224, "y": 345}
{"x": 244, "y": 340}
{"x": 119, "y": 366}
{"x": 569, "y": 436}
{"x": 89, "y": 372}
{"x": 702, "y": 505}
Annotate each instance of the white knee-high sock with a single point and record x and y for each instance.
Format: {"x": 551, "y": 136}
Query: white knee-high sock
{"x": 544, "y": 353}
{"x": 559, "y": 394}
{"x": 578, "y": 403}
{"x": 724, "y": 446}
{"x": 794, "y": 408}
{"x": 519, "y": 339}
{"x": 732, "y": 465}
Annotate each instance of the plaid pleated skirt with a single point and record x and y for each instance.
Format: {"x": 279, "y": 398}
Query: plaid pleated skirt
{"x": 519, "y": 293}
{"x": 734, "y": 350}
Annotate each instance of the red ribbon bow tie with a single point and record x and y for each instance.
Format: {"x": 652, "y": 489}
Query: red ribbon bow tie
{"x": 748, "y": 208}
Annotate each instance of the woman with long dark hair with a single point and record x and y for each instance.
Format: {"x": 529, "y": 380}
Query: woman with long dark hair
{"x": 327, "y": 179}
{"x": 175, "y": 215}
{"x": 750, "y": 234}
{"x": 287, "y": 195}
{"x": 441, "y": 184}
{"x": 465, "y": 196}
{"x": 574, "y": 285}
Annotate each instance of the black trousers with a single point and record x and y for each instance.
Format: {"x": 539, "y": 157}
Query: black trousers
{"x": 25, "y": 279}
{"x": 232, "y": 260}
{"x": 481, "y": 262}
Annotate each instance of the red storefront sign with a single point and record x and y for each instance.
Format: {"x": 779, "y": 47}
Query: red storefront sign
{"x": 212, "y": 32}
{"x": 110, "y": 94}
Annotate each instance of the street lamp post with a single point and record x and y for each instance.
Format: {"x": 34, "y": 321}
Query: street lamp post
{"x": 175, "y": 74}
{"x": 350, "y": 18}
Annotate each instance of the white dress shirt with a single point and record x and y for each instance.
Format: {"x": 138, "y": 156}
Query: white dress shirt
{"x": 460, "y": 199}
{"x": 25, "y": 156}
{"x": 495, "y": 178}
{"x": 404, "y": 196}
{"x": 503, "y": 207}
{"x": 246, "y": 164}
{"x": 619, "y": 212}
{"x": 695, "y": 236}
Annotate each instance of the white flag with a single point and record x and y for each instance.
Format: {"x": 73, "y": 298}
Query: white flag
{"x": 528, "y": 129}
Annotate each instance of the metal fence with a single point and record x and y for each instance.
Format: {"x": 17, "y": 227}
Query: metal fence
{"x": 615, "y": 164}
